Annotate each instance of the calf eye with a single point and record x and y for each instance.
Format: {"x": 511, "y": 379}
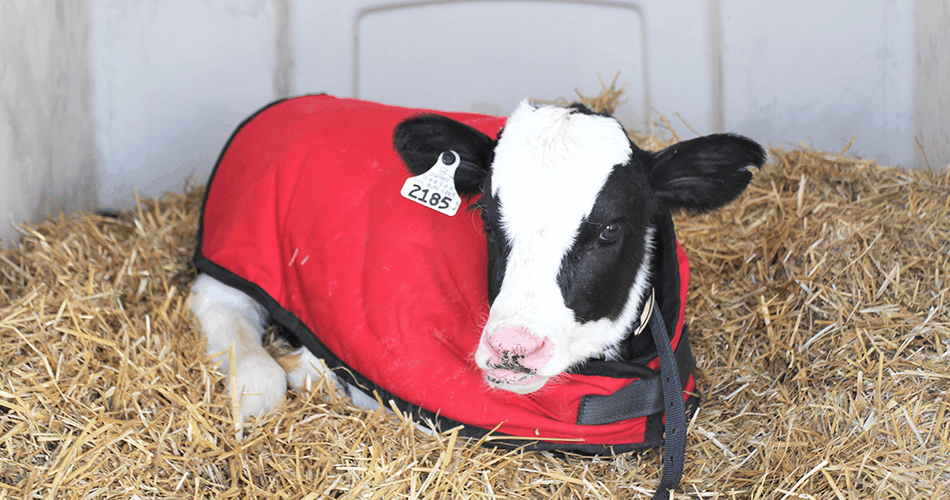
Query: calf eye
{"x": 610, "y": 233}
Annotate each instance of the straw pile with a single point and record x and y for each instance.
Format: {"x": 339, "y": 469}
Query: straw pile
{"x": 818, "y": 311}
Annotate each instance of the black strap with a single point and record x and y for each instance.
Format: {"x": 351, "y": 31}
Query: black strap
{"x": 674, "y": 445}
{"x": 650, "y": 396}
{"x": 639, "y": 398}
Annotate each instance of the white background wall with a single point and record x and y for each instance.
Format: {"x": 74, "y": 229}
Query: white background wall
{"x": 932, "y": 106}
{"x": 101, "y": 98}
{"x": 47, "y": 150}
{"x": 171, "y": 80}
{"x": 822, "y": 72}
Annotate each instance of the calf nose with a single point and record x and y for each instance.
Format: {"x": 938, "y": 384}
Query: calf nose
{"x": 515, "y": 346}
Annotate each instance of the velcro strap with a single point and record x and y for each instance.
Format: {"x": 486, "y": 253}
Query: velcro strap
{"x": 639, "y": 398}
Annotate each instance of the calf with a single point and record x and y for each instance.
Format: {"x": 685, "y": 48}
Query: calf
{"x": 568, "y": 204}
{"x": 569, "y": 207}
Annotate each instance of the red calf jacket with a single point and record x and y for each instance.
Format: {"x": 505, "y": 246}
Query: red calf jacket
{"x": 303, "y": 213}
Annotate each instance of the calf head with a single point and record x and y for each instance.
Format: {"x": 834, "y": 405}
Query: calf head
{"x": 568, "y": 204}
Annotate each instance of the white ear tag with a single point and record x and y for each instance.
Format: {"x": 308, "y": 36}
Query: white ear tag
{"x": 436, "y": 188}
{"x": 645, "y": 314}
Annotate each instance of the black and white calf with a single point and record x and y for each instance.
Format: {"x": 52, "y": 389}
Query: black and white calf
{"x": 568, "y": 204}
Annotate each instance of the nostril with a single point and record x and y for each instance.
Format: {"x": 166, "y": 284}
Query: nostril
{"x": 517, "y": 346}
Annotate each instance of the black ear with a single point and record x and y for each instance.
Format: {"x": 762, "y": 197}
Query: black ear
{"x": 420, "y": 139}
{"x": 704, "y": 173}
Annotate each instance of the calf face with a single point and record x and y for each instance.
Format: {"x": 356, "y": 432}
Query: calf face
{"x": 568, "y": 204}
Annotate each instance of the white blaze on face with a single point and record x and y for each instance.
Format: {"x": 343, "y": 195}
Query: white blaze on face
{"x": 550, "y": 165}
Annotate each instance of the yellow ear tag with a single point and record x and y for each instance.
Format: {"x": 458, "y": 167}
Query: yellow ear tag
{"x": 436, "y": 187}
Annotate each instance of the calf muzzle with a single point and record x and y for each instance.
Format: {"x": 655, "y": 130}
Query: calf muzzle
{"x": 515, "y": 354}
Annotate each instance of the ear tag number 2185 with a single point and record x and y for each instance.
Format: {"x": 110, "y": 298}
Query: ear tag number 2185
{"x": 436, "y": 187}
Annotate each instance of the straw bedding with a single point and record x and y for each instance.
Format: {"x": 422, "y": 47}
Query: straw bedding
{"x": 818, "y": 310}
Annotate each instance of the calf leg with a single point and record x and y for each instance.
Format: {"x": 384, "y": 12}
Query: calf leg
{"x": 229, "y": 318}
{"x": 302, "y": 366}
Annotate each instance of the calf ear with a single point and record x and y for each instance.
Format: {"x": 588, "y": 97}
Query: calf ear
{"x": 704, "y": 173}
{"x": 420, "y": 139}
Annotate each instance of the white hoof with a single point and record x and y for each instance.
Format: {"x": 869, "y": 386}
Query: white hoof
{"x": 304, "y": 369}
{"x": 259, "y": 384}
{"x": 302, "y": 366}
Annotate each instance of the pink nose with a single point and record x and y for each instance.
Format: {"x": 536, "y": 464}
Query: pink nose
{"x": 518, "y": 346}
